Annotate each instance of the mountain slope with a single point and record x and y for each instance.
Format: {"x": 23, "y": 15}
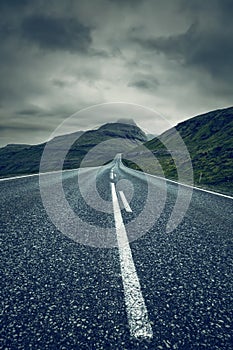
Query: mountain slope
{"x": 130, "y": 136}
{"x": 209, "y": 139}
{"x": 25, "y": 159}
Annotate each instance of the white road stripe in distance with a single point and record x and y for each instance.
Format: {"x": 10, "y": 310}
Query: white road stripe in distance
{"x": 125, "y": 202}
{"x": 111, "y": 175}
{"x": 137, "y": 314}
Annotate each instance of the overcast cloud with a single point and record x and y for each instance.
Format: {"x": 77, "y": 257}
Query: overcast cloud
{"x": 58, "y": 57}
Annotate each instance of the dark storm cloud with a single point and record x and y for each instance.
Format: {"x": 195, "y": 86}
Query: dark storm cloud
{"x": 7, "y": 4}
{"x": 30, "y": 111}
{"x": 211, "y": 51}
{"x": 99, "y": 53}
{"x": 208, "y": 42}
{"x": 57, "y": 33}
{"x": 223, "y": 8}
{"x": 35, "y": 112}
{"x": 22, "y": 127}
{"x": 57, "y": 57}
{"x": 60, "y": 83}
{"x": 145, "y": 83}
{"x": 141, "y": 84}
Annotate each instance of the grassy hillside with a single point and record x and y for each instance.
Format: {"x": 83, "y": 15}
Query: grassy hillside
{"x": 209, "y": 139}
{"x": 130, "y": 136}
{"x": 25, "y": 159}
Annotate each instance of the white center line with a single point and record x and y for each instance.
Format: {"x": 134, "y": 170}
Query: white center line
{"x": 111, "y": 175}
{"x": 125, "y": 202}
{"x": 139, "y": 323}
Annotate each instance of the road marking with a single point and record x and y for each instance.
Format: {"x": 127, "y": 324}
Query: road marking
{"x": 139, "y": 323}
{"x": 139, "y": 172}
{"x": 125, "y": 202}
{"x": 111, "y": 175}
{"x": 177, "y": 183}
{"x": 48, "y": 173}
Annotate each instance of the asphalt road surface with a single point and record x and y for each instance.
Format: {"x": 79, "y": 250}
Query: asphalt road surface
{"x": 153, "y": 290}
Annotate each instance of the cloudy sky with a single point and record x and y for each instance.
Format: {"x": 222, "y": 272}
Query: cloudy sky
{"x": 57, "y": 57}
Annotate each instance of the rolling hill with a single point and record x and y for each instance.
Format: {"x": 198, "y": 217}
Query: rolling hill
{"x": 209, "y": 140}
{"x": 25, "y": 159}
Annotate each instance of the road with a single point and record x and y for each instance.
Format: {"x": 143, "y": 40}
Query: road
{"x": 59, "y": 293}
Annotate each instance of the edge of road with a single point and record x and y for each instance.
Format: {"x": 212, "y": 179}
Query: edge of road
{"x": 177, "y": 183}
{"x": 46, "y": 173}
{"x": 123, "y": 166}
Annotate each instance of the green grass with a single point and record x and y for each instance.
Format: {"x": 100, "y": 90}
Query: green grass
{"x": 209, "y": 140}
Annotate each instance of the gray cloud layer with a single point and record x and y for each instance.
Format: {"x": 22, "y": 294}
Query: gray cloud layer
{"x": 212, "y": 52}
{"x": 58, "y": 57}
{"x": 57, "y": 33}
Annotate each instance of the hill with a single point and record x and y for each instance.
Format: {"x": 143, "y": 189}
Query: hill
{"x": 25, "y": 159}
{"x": 130, "y": 136}
{"x": 209, "y": 140}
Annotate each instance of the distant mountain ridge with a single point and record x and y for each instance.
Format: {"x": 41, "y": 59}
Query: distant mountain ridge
{"x": 25, "y": 159}
{"x": 209, "y": 140}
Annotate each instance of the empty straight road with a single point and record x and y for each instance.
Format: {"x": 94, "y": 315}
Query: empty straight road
{"x": 140, "y": 287}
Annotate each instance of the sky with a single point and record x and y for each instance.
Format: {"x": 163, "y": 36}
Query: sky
{"x": 58, "y": 57}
